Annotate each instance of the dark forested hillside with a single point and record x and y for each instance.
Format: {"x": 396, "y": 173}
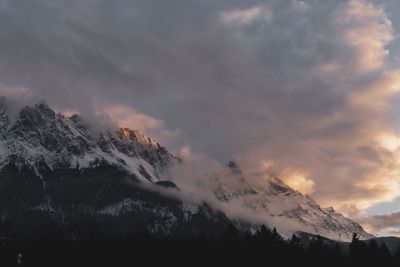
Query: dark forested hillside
{"x": 234, "y": 247}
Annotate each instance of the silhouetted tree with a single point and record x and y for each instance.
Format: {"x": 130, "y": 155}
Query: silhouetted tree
{"x": 276, "y": 236}
{"x": 264, "y": 233}
{"x": 234, "y": 248}
{"x": 357, "y": 250}
{"x": 295, "y": 242}
{"x": 231, "y": 234}
{"x": 296, "y": 247}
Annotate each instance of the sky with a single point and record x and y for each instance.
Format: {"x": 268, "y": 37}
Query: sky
{"x": 306, "y": 90}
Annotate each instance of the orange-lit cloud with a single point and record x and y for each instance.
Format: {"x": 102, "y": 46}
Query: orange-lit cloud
{"x": 348, "y": 155}
{"x": 125, "y": 116}
{"x": 371, "y": 30}
{"x": 15, "y": 91}
{"x": 300, "y": 182}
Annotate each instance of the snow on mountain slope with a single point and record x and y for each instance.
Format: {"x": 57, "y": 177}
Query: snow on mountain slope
{"x": 281, "y": 201}
{"x": 39, "y": 135}
{"x": 274, "y": 203}
{"x": 46, "y": 142}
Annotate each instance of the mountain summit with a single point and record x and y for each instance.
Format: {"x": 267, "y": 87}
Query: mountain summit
{"x": 60, "y": 178}
{"x": 39, "y": 137}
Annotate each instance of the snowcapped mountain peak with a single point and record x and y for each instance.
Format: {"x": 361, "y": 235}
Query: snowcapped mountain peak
{"x": 40, "y": 136}
{"x": 275, "y": 201}
{"x": 136, "y": 136}
{"x": 38, "y": 116}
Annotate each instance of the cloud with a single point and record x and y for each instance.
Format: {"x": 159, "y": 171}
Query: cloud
{"x": 300, "y": 182}
{"x": 369, "y": 32}
{"x": 125, "y": 116}
{"x": 305, "y": 86}
{"x": 246, "y": 16}
{"x": 129, "y": 117}
{"x": 299, "y": 5}
{"x": 388, "y": 224}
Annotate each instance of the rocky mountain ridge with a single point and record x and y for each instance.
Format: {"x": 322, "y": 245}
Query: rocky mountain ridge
{"x": 59, "y": 170}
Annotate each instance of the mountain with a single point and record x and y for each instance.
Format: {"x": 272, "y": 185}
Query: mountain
{"x": 39, "y": 135}
{"x": 62, "y": 178}
{"x": 281, "y": 205}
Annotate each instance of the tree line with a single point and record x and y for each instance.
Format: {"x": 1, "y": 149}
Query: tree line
{"x": 234, "y": 247}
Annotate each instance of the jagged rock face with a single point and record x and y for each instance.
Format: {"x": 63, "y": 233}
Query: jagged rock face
{"x": 88, "y": 183}
{"x": 39, "y": 135}
{"x": 277, "y": 202}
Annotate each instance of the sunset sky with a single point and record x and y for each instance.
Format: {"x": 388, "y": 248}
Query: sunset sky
{"x": 306, "y": 90}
